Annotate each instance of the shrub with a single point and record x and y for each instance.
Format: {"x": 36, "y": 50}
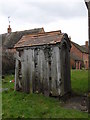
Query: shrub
{"x": 8, "y": 62}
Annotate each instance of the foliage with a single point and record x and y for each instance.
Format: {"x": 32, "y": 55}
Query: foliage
{"x": 8, "y": 62}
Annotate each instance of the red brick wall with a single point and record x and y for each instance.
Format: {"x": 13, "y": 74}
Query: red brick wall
{"x": 81, "y": 55}
{"x": 76, "y": 51}
{"x": 85, "y": 60}
{"x": 72, "y": 63}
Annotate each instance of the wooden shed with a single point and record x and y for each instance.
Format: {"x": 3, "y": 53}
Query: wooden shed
{"x": 43, "y": 64}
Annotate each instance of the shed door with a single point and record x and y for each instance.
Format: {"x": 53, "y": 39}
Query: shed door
{"x": 64, "y": 67}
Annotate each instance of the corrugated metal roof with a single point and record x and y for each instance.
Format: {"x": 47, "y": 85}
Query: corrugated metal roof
{"x": 40, "y": 39}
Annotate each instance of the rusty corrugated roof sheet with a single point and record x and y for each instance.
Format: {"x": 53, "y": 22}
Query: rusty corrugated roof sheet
{"x": 40, "y": 39}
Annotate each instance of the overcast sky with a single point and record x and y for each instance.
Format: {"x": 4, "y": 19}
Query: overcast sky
{"x": 69, "y": 16}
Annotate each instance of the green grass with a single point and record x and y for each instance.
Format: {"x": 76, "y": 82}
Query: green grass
{"x": 79, "y": 81}
{"x": 21, "y": 105}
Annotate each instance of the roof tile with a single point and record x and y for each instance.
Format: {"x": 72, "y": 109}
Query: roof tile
{"x": 40, "y": 39}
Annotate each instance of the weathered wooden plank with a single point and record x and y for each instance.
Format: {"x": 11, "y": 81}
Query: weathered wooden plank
{"x": 25, "y": 73}
{"x": 16, "y": 73}
{"x": 68, "y": 79}
{"x": 63, "y": 71}
{"x": 17, "y": 57}
{"x": 46, "y": 72}
{"x": 55, "y": 72}
{"x": 40, "y": 71}
{"x": 33, "y": 70}
{"x": 47, "y": 90}
{"x": 31, "y": 67}
{"x": 28, "y": 72}
{"x": 58, "y": 68}
{"x": 35, "y": 81}
{"x": 65, "y": 68}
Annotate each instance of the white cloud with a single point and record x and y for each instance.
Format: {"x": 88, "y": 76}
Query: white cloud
{"x": 69, "y": 16}
{"x": 76, "y": 28}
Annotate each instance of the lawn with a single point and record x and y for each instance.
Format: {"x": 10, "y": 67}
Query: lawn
{"x": 21, "y": 105}
{"x": 79, "y": 81}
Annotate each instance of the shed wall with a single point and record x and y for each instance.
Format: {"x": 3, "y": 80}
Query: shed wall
{"x": 41, "y": 70}
{"x": 44, "y": 69}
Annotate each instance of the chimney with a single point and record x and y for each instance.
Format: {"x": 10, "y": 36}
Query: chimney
{"x": 9, "y": 30}
{"x": 86, "y": 44}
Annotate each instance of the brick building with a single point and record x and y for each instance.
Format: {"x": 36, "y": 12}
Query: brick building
{"x": 79, "y": 56}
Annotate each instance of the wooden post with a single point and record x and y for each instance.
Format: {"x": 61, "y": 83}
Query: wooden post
{"x": 88, "y": 7}
{"x": 89, "y": 56}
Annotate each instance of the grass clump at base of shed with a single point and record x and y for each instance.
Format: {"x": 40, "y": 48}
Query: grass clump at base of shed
{"x": 21, "y": 105}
